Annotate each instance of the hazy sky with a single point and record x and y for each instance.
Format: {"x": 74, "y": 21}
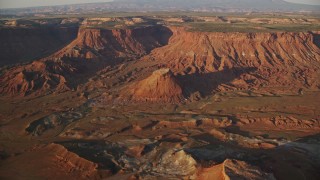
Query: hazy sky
{"x": 30, "y": 3}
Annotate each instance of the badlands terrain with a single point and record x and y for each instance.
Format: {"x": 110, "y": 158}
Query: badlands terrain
{"x": 160, "y": 96}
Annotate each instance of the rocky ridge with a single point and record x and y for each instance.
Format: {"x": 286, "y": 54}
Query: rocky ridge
{"x": 201, "y": 62}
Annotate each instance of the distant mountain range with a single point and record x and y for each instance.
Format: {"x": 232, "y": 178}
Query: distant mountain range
{"x": 173, "y": 5}
{"x": 212, "y": 5}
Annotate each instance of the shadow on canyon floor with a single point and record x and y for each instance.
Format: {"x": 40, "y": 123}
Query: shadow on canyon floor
{"x": 316, "y": 39}
{"x": 205, "y": 84}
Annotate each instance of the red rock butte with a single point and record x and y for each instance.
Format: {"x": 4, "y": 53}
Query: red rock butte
{"x": 160, "y": 86}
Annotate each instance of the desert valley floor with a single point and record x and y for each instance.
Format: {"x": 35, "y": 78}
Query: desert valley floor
{"x": 160, "y": 97}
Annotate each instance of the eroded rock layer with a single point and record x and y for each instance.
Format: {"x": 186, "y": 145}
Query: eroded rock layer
{"x": 60, "y": 162}
{"x": 38, "y": 77}
{"x": 102, "y": 43}
{"x": 162, "y": 86}
{"x": 201, "y": 62}
{"x": 234, "y": 169}
{"x": 58, "y": 71}
{"x": 242, "y": 60}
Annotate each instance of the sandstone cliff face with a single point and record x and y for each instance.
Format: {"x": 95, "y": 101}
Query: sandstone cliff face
{"x": 54, "y": 72}
{"x": 207, "y": 52}
{"x": 25, "y": 44}
{"x": 102, "y": 43}
{"x": 249, "y": 59}
{"x": 200, "y": 61}
{"x": 161, "y": 86}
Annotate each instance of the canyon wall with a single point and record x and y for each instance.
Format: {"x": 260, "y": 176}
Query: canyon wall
{"x": 207, "y": 60}
{"x": 204, "y": 62}
{"x": 57, "y": 71}
{"x": 104, "y": 43}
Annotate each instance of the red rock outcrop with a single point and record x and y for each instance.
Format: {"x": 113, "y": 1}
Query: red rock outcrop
{"x": 51, "y": 73}
{"x": 160, "y": 86}
{"x": 203, "y": 62}
{"x": 233, "y": 169}
{"x": 52, "y": 161}
{"x": 38, "y": 77}
{"x": 243, "y": 60}
{"x": 102, "y": 43}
